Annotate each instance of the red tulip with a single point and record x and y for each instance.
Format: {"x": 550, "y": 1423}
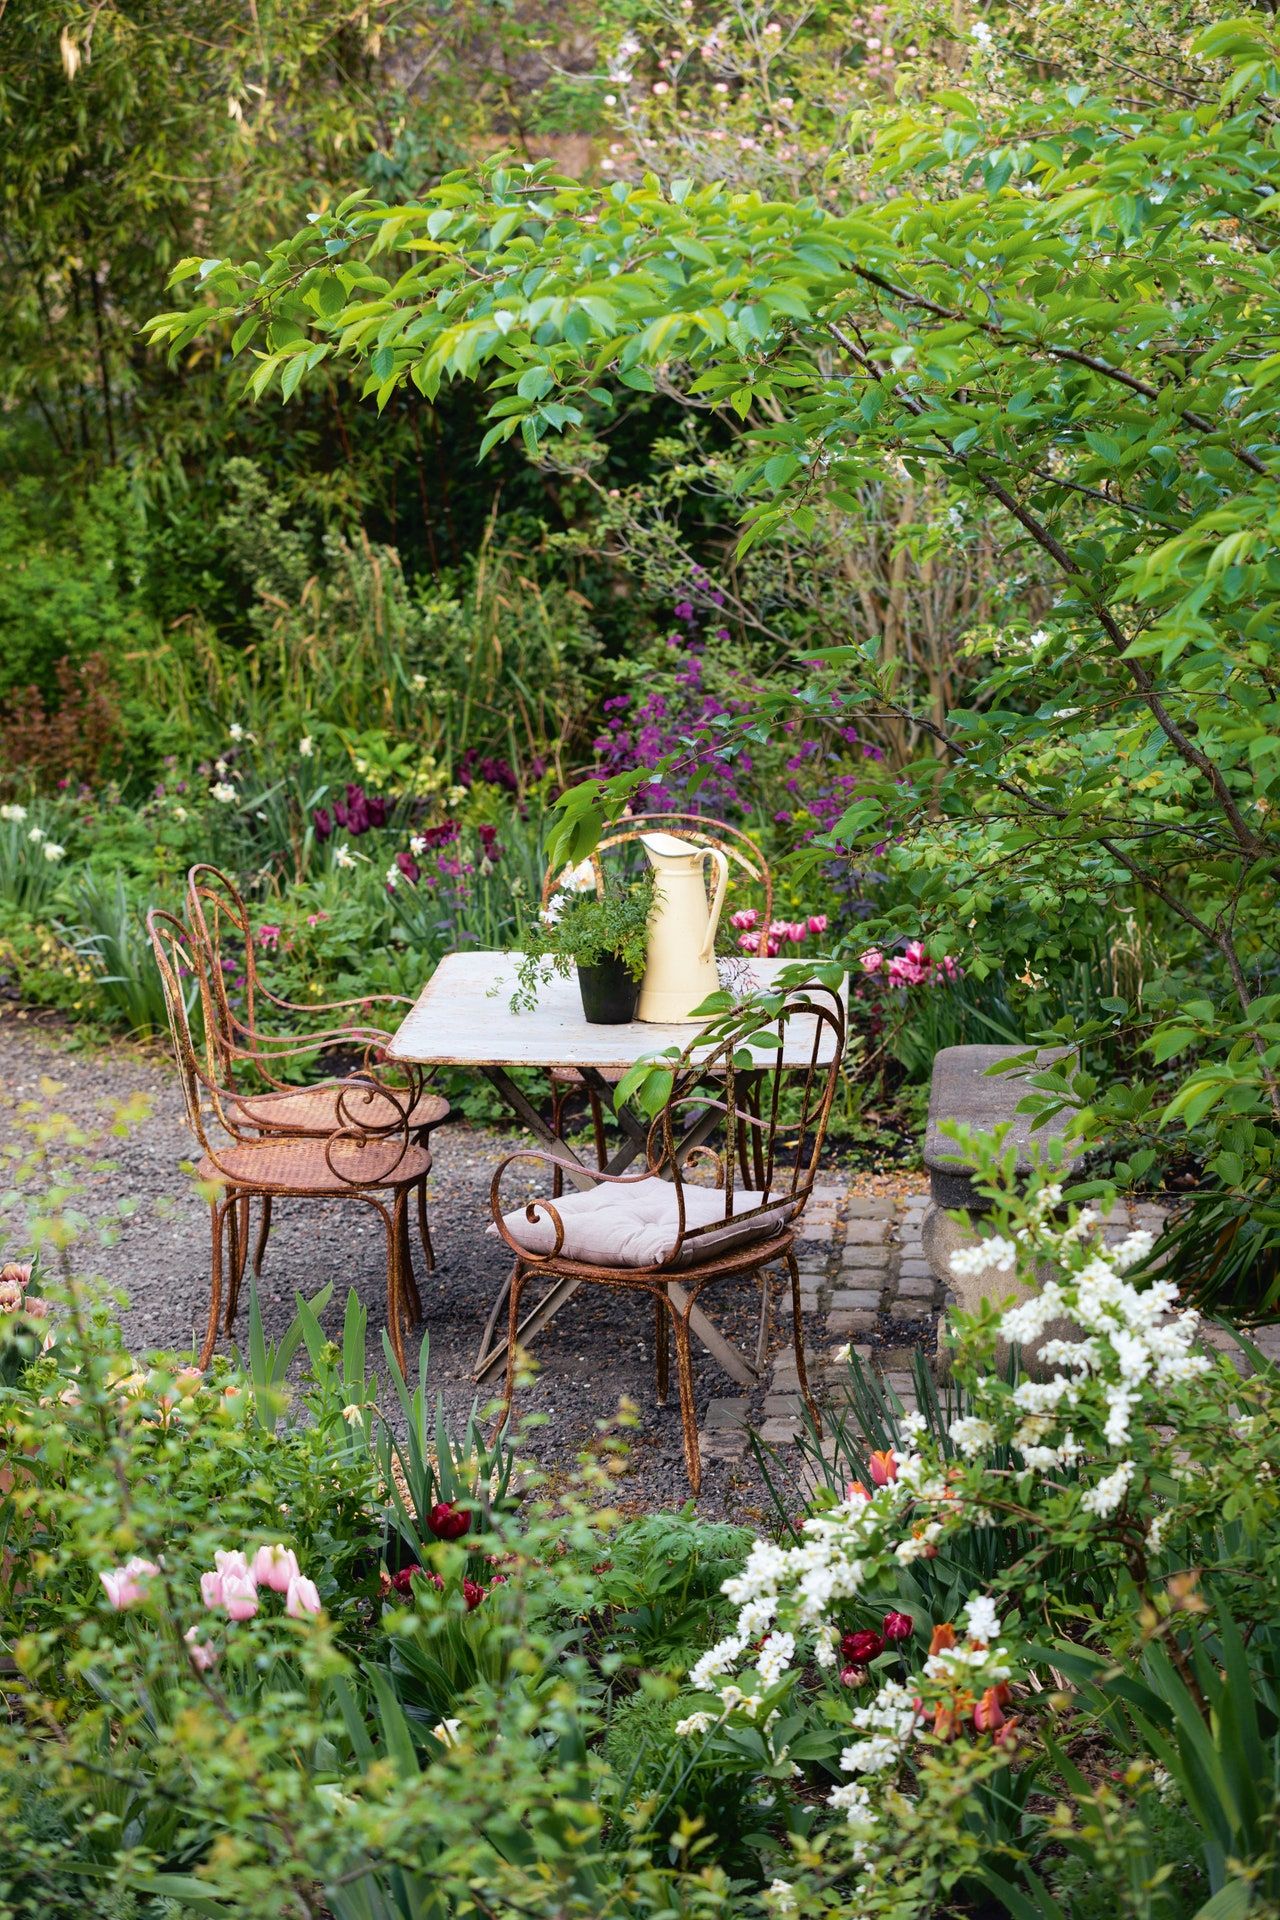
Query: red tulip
{"x": 897, "y": 1627}
{"x": 861, "y": 1647}
{"x": 472, "y": 1594}
{"x": 448, "y": 1522}
{"x": 403, "y": 1581}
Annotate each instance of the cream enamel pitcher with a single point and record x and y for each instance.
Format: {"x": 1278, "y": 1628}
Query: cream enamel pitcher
{"x": 681, "y": 967}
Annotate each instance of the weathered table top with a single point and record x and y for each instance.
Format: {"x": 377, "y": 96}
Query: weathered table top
{"x": 463, "y": 1018}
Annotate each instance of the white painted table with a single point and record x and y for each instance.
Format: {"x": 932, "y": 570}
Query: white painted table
{"x": 463, "y": 1018}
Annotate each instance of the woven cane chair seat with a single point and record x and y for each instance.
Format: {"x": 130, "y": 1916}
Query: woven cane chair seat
{"x": 314, "y": 1110}
{"x": 299, "y": 1166}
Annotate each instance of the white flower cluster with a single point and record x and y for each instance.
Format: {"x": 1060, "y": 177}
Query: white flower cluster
{"x": 1134, "y": 1342}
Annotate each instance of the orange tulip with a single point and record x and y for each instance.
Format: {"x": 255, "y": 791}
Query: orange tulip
{"x": 988, "y": 1715}
{"x": 884, "y": 1468}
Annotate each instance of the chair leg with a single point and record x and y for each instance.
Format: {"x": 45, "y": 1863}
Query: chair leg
{"x": 661, "y": 1346}
{"x": 688, "y": 1409}
{"x": 264, "y": 1228}
{"x": 797, "y": 1339}
{"x": 408, "y": 1279}
{"x": 513, "y": 1327}
{"x": 393, "y": 1282}
{"x": 559, "y": 1097}
{"x": 239, "y": 1215}
{"x": 424, "y": 1231}
{"x": 597, "y": 1123}
{"x": 762, "y": 1338}
{"x": 216, "y": 1211}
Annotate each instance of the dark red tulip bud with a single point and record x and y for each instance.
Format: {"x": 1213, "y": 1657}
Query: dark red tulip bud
{"x": 897, "y": 1627}
{"x": 859, "y": 1648}
{"x": 448, "y": 1522}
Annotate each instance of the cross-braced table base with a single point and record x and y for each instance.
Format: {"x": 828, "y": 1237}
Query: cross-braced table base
{"x": 492, "y": 1353}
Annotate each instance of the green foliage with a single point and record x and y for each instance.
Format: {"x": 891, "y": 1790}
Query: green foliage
{"x": 69, "y": 585}
{"x": 579, "y": 927}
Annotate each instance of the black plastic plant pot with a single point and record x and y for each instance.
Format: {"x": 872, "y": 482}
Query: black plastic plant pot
{"x": 609, "y": 994}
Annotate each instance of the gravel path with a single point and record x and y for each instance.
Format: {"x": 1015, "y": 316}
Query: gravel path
{"x": 598, "y": 1351}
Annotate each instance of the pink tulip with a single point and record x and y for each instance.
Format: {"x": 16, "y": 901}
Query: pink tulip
{"x": 10, "y": 1296}
{"x": 127, "y": 1585}
{"x": 749, "y": 942}
{"x": 275, "y": 1567}
{"x": 230, "y": 1562}
{"x": 239, "y": 1596}
{"x": 872, "y": 960}
{"x": 817, "y": 923}
{"x": 201, "y": 1654}
{"x": 302, "y": 1598}
{"x": 744, "y": 919}
{"x": 211, "y": 1589}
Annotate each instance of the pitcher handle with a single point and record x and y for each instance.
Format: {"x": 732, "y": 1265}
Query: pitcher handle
{"x": 717, "y": 900}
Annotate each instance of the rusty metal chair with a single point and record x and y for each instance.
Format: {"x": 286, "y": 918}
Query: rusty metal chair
{"x": 644, "y": 1233}
{"x": 218, "y": 915}
{"x": 738, "y": 848}
{"x": 369, "y": 1153}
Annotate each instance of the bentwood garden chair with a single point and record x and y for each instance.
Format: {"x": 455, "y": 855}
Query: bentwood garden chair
{"x": 640, "y": 1233}
{"x": 742, "y": 854}
{"x": 243, "y": 1049}
{"x": 369, "y": 1151}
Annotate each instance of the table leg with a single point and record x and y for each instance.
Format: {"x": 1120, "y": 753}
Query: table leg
{"x": 735, "y": 1364}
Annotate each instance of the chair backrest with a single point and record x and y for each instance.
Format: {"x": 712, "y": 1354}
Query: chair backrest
{"x": 371, "y": 1132}
{"x": 180, "y": 960}
{"x": 771, "y": 1062}
{"x": 739, "y": 849}
{"x": 220, "y": 920}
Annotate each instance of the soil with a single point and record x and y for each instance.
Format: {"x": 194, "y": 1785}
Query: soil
{"x": 596, "y": 1356}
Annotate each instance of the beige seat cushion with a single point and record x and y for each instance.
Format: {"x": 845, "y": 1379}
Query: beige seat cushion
{"x": 636, "y": 1224}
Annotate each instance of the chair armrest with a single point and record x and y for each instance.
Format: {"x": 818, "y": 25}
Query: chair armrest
{"x": 566, "y": 1165}
{"x": 333, "y": 1006}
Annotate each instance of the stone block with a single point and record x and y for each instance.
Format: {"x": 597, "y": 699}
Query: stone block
{"x": 783, "y": 1406}
{"x": 849, "y": 1322}
{"x": 895, "y": 1359}
{"x": 917, "y": 1286}
{"x": 964, "y": 1090}
{"x": 866, "y": 1256}
{"x": 779, "y": 1433}
{"x": 872, "y": 1206}
{"x": 724, "y": 1414}
{"x": 844, "y": 1299}
{"x": 864, "y": 1233}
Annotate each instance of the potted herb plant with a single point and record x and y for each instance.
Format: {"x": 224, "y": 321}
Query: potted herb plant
{"x": 604, "y": 935}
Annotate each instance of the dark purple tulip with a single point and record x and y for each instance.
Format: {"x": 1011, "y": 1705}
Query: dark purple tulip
{"x": 322, "y": 823}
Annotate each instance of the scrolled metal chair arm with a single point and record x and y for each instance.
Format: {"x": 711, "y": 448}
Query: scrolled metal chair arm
{"x": 567, "y": 1165}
